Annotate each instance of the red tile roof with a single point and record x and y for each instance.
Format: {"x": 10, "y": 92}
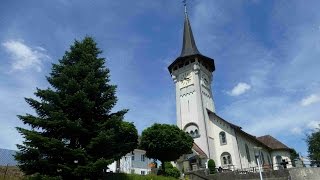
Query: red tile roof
{"x": 272, "y": 142}
{"x": 196, "y": 148}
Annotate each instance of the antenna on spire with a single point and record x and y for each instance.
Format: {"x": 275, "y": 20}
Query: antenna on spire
{"x": 185, "y": 6}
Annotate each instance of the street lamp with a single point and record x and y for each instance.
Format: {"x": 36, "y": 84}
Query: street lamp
{"x": 257, "y": 153}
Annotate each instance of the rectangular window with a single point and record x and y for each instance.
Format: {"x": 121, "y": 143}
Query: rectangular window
{"x": 143, "y": 173}
{"x": 132, "y": 157}
{"x": 143, "y": 157}
{"x": 223, "y": 138}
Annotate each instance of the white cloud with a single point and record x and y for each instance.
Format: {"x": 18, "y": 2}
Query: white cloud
{"x": 296, "y": 130}
{"x": 305, "y": 128}
{"x": 24, "y": 56}
{"x": 313, "y": 124}
{"x": 271, "y": 115}
{"x": 313, "y": 98}
{"x": 239, "y": 89}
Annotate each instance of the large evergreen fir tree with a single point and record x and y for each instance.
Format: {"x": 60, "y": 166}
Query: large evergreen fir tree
{"x": 75, "y": 133}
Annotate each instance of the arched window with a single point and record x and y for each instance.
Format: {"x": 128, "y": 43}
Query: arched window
{"x": 262, "y": 158}
{"x": 248, "y": 153}
{"x": 229, "y": 160}
{"x": 192, "y": 129}
{"x": 226, "y": 158}
{"x": 191, "y": 133}
{"x": 223, "y": 139}
{"x": 278, "y": 159}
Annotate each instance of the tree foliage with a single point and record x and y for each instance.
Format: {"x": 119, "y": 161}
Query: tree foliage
{"x": 313, "y": 141}
{"x": 212, "y": 166}
{"x": 168, "y": 165}
{"x": 293, "y": 156}
{"x": 173, "y": 172}
{"x": 165, "y": 142}
{"x": 75, "y": 133}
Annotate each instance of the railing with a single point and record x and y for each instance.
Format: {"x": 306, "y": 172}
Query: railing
{"x": 265, "y": 167}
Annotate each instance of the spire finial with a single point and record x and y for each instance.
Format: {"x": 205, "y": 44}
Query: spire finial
{"x": 185, "y": 6}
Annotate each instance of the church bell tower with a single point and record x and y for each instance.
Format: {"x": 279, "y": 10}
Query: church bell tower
{"x": 192, "y": 75}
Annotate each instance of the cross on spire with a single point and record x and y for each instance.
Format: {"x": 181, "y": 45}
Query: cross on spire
{"x": 185, "y": 6}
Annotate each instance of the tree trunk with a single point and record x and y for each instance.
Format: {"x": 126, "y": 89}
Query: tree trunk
{"x": 163, "y": 168}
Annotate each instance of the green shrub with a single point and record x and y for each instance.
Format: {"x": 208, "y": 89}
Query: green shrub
{"x": 168, "y": 165}
{"x": 37, "y": 176}
{"x": 170, "y": 170}
{"x": 173, "y": 172}
{"x": 212, "y": 166}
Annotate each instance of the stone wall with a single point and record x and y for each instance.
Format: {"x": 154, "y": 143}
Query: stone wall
{"x": 305, "y": 173}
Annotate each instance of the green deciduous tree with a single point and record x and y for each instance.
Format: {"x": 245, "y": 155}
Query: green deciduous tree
{"x": 165, "y": 142}
{"x": 313, "y": 141}
{"x": 75, "y": 133}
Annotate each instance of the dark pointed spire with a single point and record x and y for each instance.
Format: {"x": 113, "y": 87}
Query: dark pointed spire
{"x": 189, "y": 46}
{"x": 189, "y": 49}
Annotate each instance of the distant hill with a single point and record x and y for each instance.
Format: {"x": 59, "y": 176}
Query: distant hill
{"x": 6, "y": 157}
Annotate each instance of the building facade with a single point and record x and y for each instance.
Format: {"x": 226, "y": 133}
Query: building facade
{"x": 135, "y": 162}
{"x": 227, "y": 144}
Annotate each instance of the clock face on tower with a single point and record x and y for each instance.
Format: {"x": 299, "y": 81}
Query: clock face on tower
{"x": 185, "y": 79}
{"x": 204, "y": 79}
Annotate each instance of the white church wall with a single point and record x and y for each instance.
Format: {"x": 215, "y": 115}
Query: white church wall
{"x": 207, "y": 99}
{"x": 242, "y": 142}
{"x": 188, "y": 102}
{"x": 265, "y": 160}
{"x": 206, "y": 90}
{"x": 190, "y": 108}
{"x": 181, "y": 94}
{"x": 217, "y": 126}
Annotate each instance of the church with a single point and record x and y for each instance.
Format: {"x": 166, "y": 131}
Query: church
{"x": 214, "y": 137}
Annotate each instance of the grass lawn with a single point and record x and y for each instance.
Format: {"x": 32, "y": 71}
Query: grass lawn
{"x": 13, "y": 173}
{"x": 10, "y": 173}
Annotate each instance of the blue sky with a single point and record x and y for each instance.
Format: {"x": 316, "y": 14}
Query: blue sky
{"x": 267, "y": 56}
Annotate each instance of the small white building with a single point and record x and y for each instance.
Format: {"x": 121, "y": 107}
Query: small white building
{"x": 135, "y": 162}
